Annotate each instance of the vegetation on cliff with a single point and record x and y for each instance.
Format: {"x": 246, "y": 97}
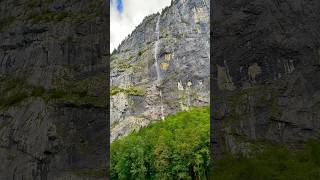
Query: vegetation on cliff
{"x": 275, "y": 162}
{"x": 176, "y": 148}
{"x": 14, "y": 91}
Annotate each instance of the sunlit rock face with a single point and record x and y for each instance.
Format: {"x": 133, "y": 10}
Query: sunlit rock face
{"x": 53, "y": 116}
{"x": 153, "y": 77}
{"x": 265, "y": 74}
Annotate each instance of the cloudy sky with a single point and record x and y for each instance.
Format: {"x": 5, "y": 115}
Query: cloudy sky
{"x": 125, "y": 15}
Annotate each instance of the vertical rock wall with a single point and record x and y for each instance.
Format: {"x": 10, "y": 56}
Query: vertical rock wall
{"x": 183, "y": 61}
{"x": 53, "y": 116}
{"x": 266, "y": 73}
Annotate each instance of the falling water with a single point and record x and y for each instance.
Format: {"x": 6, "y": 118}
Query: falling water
{"x": 156, "y": 47}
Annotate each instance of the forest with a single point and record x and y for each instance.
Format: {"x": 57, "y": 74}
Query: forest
{"x": 175, "y": 148}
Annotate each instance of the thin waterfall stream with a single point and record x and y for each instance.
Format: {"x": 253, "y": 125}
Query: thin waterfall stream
{"x": 156, "y": 49}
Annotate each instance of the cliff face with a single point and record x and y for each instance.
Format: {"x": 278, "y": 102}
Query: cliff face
{"x": 265, "y": 73}
{"x": 162, "y": 67}
{"x": 53, "y": 116}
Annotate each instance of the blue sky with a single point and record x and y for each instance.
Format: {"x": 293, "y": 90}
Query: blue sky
{"x": 119, "y": 5}
{"x": 125, "y": 15}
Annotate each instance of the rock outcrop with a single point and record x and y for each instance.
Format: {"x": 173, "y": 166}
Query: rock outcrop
{"x": 162, "y": 67}
{"x": 266, "y": 70}
{"x": 53, "y": 81}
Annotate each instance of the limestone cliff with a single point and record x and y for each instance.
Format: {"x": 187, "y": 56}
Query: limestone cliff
{"x": 265, "y": 73}
{"x": 162, "y": 67}
{"x": 53, "y": 80}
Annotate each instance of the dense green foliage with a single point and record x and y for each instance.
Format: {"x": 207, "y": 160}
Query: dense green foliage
{"x": 176, "y": 148}
{"x": 274, "y": 163}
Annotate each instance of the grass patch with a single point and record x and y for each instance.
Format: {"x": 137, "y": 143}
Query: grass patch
{"x": 134, "y": 91}
{"x": 123, "y": 65}
{"x": 74, "y": 97}
{"x": 141, "y": 52}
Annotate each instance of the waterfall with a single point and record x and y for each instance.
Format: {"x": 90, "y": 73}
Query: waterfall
{"x": 156, "y": 47}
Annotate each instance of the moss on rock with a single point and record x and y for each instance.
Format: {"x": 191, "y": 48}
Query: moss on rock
{"x": 134, "y": 91}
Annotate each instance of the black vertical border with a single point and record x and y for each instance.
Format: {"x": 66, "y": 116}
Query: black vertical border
{"x": 212, "y": 142}
{"x": 216, "y": 139}
{"x": 105, "y": 40}
{"x": 108, "y": 89}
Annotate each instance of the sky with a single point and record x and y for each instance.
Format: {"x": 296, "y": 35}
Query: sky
{"x": 125, "y": 15}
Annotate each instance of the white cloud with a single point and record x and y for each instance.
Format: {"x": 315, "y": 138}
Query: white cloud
{"x": 132, "y": 15}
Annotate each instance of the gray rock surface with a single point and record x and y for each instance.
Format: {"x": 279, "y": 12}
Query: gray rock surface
{"x": 140, "y": 93}
{"x": 53, "y": 81}
{"x": 265, "y": 73}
